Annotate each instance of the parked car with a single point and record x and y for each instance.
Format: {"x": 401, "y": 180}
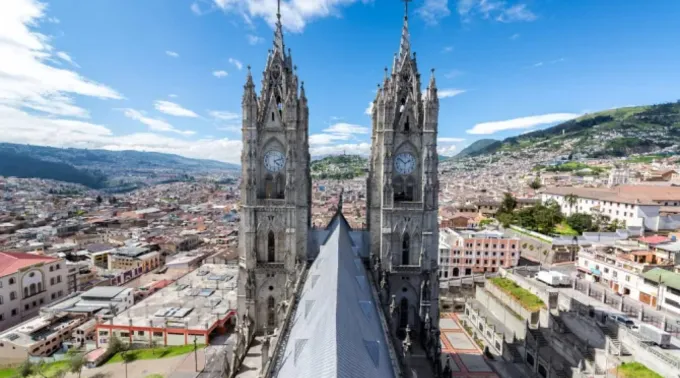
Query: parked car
{"x": 624, "y": 321}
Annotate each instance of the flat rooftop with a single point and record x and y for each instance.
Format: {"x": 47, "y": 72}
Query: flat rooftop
{"x": 195, "y": 301}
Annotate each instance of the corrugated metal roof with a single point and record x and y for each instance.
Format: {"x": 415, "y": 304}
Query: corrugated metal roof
{"x": 666, "y": 277}
{"x": 336, "y": 329}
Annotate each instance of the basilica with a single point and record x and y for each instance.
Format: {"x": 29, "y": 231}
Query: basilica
{"x": 337, "y": 301}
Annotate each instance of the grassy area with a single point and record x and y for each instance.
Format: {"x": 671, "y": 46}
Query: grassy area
{"x": 636, "y": 370}
{"x": 565, "y": 229}
{"x": 49, "y": 370}
{"x": 528, "y": 300}
{"x": 520, "y": 231}
{"x": 152, "y": 354}
{"x": 645, "y": 158}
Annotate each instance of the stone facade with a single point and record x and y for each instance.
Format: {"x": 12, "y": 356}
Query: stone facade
{"x": 275, "y": 189}
{"x": 402, "y": 189}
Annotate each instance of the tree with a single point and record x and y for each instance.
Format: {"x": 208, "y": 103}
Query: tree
{"x": 99, "y": 200}
{"x": 76, "y": 363}
{"x": 113, "y": 200}
{"x": 115, "y": 345}
{"x": 508, "y": 204}
{"x": 571, "y": 200}
{"x": 25, "y": 370}
{"x": 535, "y": 184}
{"x": 505, "y": 219}
{"x": 485, "y": 222}
{"x": 580, "y": 222}
{"x": 127, "y": 357}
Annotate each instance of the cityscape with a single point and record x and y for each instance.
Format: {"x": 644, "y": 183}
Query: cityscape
{"x": 544, "y": 246}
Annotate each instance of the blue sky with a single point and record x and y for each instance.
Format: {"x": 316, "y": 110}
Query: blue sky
{"x": 167, "y": 76}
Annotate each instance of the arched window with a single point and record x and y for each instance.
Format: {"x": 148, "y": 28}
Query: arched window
{"x": 25, "y": 292}
{"x": 398, "y": 187}
{"x": 271, "y": 313}
{"x": 280, "y": 186}
{"x": 269, "y": 186}
{"x": 271, "y": 247}
{"x": 2, "y": 300}
{"x": 272, "y": 116}
{"x": 405, "y": 249}
{"x": 403, "y": 104}
{"x": 32, "y": 289}
{"x": 409, "y": 191}
{"x": 12, "y": 295}
{"x": 456, "y": 271}
{"x": 11, "y": 281}
{"x": 407, "y": 125}
{"x": 39, "y": 287}
{"x": 403, "y": 313}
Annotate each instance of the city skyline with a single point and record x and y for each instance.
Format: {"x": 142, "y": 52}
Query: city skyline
{"x": 108, "y": 76}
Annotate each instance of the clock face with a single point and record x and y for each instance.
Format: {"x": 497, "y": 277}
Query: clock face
{"x": 404, "y": 163}
{"x": 274, "y": 161}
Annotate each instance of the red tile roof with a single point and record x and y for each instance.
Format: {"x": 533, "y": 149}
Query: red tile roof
{"x": 654, "y": 239}
{"x": 11, "y": 262}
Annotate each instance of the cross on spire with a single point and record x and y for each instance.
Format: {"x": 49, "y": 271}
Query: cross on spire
{"x": 406, "y": 8}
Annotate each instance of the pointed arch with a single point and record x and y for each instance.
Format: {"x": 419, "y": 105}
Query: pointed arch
{"x": 271, "y": 313}
{"x": 269, "y": 187}
{"x": 271, "y": 246}
{"x": 398, "y": 188}
{"x": 280, "y": 186}
{"x": 406, "y": 249}
{"x": 409, "y": 188}
{"x": 403, "y": 312}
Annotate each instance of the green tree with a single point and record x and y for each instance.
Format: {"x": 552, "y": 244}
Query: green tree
{"x": 76, "y": 363}
{"x": 115, "y": 345}
{"x": 127, "y": 357}
{"x": 485, "y": 222}
{"x": 571, "y": 200}
{"x": 25, "y": 370}
{"x": 580, "y": 222}
{"x": 508, "y": 204}
{"x": 535, "y": 184}
{"x": 505, "y": 219}
{"x": 99, "y": 200}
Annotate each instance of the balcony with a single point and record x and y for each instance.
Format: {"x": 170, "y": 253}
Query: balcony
{"x": 268, "y": 202}
{"x": 406, "y": 269}
{"x": 276, "y": 266}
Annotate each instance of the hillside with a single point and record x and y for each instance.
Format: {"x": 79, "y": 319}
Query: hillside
{"x": 476, "y": 147}
{"x": 339, "y": 167}
{"x": 610, "y": 133}
{"x": 24, "y": 166}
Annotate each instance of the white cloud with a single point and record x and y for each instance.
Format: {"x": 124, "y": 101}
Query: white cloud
{"x": 254, "y": 40}
{"x": 514, "y": 36}
{"x": 294, "y": 14}
{"x": 497, "y": 10}
{"x": 220, "y": 74}
{"x": 326, "y": 139}
{"x": 27, "y": 80}
{"x": 236, "y": 63}
{"x": 196, "y": 9}
{"x": 172, "y": 54}
{"x": 369, "y": 110}
{"x": 21, "y": 127}
{"x": 521, "y": 123}
{"x": 224, "y": 115}
{"x": 67, "y": 58}
{"x": 153, "y": 123}
{"x": 539, "y": 64}
{"x": 346, "y": 129}
{"x": 447, "y": 49}
{"x": 172, "y": 95}
{"x": 446, "y": 150}
{"x": 356, "y": 148}
{"x": 432, "y": 11}
{"x": 450, "y": 140}
{"x": 174, "y": 109}
{"x": 451, "y": 92}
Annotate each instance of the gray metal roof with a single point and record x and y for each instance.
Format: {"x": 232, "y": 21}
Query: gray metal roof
{"x": 336, "y": 328}
{"x": 102, "y": 292}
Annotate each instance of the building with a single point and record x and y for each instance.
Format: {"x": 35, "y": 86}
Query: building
{"x": 667, "y": 285}
{"x": 198, "y": 305}
{"x": 133, "y": 256}
{"x": 28, "y": 282}
{"x": 634, "y": 205}
{"x": 381, "y": 280}
{"x": 463, "y": 253}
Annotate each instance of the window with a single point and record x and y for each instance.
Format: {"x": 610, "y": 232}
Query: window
{"x": 2, "y": 300}
{"x": 158, "y": 334}
{"x": 26, "y": 307}
{"x": 272, "y": 116}
{"x": 14, "y": 312}
{"x": 103, "y": 333}
{"x": 12, "y": 295}
{"x": 140, "y": 333}
{"x": 405, "y": 249}
{"x": 51, "y": 269}
{"x": 125, "y": 334}
{"x": 403, "y": 313}
{"x": 2, "y": 317}
{"x": 52, "y": 281}
{"x": 58, "y": 279}
{"x": 271, "y": 247}
{"x": 12, "y": 281}
{"x": 271, "y": 313}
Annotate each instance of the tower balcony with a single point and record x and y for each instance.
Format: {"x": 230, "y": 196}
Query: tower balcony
{"x": 406, "y": 269}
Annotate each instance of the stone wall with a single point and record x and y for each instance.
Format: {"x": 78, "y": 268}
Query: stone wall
{"x": 512, "y": 304}
{"x": 501, "y": 312}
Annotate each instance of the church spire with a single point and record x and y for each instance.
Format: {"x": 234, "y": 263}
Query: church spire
{"x": 278, "y": 33}
{"x": 405, "y": 44}
{"x": 249, "y": 95}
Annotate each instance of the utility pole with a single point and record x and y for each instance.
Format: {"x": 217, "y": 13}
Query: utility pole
{"x": 195, "y": 354}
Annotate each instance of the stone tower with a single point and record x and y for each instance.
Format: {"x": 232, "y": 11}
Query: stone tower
{"x": 275, "y": 189}
{"x": 403, "y": 192}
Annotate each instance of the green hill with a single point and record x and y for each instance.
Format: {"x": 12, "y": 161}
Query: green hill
{"x": 21, "y": 165}
{"x": 610, "y": 133}
{"x": 476, "y": 147}
{"x": 339, "y": 167}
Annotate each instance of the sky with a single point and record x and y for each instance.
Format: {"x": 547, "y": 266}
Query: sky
{"x": 168, "y": 75}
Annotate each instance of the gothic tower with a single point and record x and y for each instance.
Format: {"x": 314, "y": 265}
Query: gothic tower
{"x": 275, "y": 189}
{"x": 403, "y": 192}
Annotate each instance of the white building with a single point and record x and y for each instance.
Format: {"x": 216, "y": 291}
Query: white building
{"x": 28, "y": 282}
{"x": 651, "y": 207}
{"x": 667, "y": 284}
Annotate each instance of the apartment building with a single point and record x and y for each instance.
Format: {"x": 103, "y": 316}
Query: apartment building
{"x": 462, "y": 253}
{"x": 667, "y": 285}
{"x": 652, "y": 207}
{"x": 130, "y": 257}
{"x": 27, "y": 282}
{"x": 623, "y": 267}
